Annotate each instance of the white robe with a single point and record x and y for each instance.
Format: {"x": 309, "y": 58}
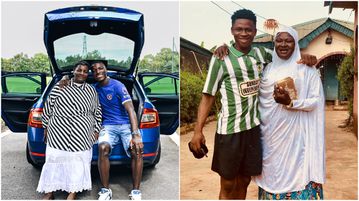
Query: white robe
{"x": 292, "y": 139}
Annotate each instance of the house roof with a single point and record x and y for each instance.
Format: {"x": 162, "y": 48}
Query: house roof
{"x": 194, "y": 47}
{"x": 341, "y": 4}
{"x": 307, "y": 31}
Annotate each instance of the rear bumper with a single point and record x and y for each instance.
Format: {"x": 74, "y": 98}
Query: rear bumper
{"x": 151, "y": 142}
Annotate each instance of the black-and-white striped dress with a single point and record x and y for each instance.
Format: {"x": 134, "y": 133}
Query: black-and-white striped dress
{"x": 71, "y": 115}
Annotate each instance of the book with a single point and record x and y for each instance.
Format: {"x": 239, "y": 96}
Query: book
{"x": 288, "y": 85}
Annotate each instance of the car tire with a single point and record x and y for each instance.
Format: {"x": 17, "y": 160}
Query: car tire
{"x": 29, "y": 159}
{"x": 157, "y": 159}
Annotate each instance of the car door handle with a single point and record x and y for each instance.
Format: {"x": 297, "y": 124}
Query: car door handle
{"x": 30, "y": 99}
{"x": 18, "y": 99}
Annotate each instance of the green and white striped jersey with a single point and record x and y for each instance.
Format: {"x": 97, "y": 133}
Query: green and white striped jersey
{"x": 237, "y": 78}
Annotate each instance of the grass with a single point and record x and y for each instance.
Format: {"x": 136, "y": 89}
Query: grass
{"x": 23, "y": 85}
{"x": 161, "y": 86}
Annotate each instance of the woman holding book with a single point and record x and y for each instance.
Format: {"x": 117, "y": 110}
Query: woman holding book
{"x": 292, "y": 123}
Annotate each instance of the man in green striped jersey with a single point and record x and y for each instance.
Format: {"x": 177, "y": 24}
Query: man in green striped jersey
{"x": 237, "y": 149}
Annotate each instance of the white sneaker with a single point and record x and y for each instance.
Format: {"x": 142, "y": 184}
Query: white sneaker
{"x": 105, "y": 194}
{"x": 135, "y": 195}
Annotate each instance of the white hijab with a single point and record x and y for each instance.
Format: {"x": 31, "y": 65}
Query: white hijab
{"x": 284, "y": 67}
{"x": 292, "y": 140}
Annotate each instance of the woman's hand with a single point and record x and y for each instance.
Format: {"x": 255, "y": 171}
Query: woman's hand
{"x": 281, "y": 96}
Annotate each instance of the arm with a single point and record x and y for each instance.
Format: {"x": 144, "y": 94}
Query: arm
{"x": 307, "y": 59}
{"x": 314, "y": 95}
{"x": 136, "y": 136}
{"x": 48, "y": 109}
{"x": 98, "y": 117}
{"x": 64, "y": 82}
{"x": 204, "y": 107}
{"x": 308, "y": 104}
{"x": 221, "y": 52}
{"x": 210, "y": 89}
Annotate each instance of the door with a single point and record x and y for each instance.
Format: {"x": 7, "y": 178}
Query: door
{"x": 162, "y": 90}
{"x": 331, "y": 83}
{"x": 19, "y": 91}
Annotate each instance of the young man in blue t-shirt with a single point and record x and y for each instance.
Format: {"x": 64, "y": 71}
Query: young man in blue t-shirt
{"x": 119, "y": 123}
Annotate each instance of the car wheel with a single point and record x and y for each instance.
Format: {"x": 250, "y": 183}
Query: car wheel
{"x": 29, "y": 159}
{"x": 157, "y": 159}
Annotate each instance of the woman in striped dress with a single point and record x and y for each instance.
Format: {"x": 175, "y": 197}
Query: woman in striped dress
{"x": 71, "y": 121}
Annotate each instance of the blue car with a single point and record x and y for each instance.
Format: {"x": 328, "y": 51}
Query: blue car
{"x": 113, "y": 35}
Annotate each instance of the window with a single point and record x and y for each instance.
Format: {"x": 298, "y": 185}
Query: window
{"x": 158, "y": 85}
{"x": 117, "y": 50}
{"x": 22, "y": 84}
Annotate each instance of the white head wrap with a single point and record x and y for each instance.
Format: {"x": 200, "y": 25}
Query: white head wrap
{"x": 290, "y": 64}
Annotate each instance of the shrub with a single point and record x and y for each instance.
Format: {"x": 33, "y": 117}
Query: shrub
{"x": 191, "y": 93}
{"x": 346, "y": 79}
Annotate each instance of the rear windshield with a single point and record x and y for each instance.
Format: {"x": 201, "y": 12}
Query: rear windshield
{"x": 117, "y": 50}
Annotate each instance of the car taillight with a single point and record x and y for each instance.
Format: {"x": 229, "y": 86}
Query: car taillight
{"x": 149, "y": 118}
{"x": 35, "y": 118}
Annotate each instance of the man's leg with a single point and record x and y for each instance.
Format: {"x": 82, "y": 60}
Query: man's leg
{"x": 104, "y": 163}
{"x": 137, "y": 167}
{"x": 242, "y": 186}
{"x": 235, "y": 188}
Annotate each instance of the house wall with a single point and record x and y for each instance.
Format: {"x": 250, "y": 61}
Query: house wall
{"x": 318, "y": 47}
{"x": 324, "y": 52}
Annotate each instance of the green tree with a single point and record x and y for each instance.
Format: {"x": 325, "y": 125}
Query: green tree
{"x": 6, "y": 65}
{"x": 94, "y": 55}
{"x": 40, "y": 63}
{"x": 145, "y": 65}
{"x": 21, "y": 62}
{"x": 164, "y": 61}
{"x": 161, "y": 59}
{"x": 346, "y": 79}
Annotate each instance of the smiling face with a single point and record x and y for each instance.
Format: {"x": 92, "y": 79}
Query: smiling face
{"x": 99, "y": 72}
{"x": 243, "y": 31}
{"x": 81, "y": 73}
{"x": 284, "y": 45}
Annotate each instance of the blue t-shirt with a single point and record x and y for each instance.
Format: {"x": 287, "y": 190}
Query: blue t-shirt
{"x": 112, "y": 97}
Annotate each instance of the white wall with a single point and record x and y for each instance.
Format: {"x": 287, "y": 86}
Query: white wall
{"x": 318, "y": 47}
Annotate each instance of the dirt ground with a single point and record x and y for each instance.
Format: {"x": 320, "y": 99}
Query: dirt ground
{"x": 197, "y": 181}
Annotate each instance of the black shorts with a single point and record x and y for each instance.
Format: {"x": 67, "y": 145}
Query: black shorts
{"x": 238, "y": 154}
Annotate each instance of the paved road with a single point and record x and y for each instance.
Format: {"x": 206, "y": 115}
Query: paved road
{"x": 19, "y": 179}
{"x": 199, "y": 182}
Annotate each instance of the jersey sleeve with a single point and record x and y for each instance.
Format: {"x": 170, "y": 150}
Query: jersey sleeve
{"x": 122, "y": 93}
{"x": 214, "y": 76}
{"x": 268, "y": 55}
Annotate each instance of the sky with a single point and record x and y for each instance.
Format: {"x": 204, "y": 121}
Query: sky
{"x": 197, "y": 21}
{"x": 22, "y": 24}
{"x": 205, "y": 21}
